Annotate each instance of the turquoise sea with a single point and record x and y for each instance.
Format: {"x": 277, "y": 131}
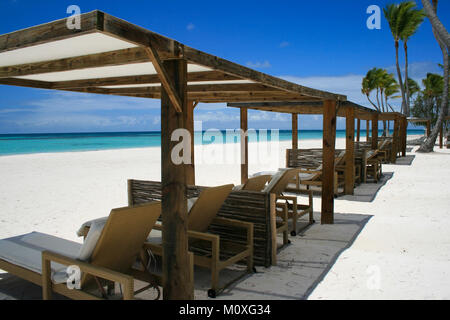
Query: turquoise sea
{"x": 62, "y": 142}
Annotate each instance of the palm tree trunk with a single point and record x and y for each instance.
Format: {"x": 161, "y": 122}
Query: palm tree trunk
{"x": 399, "y": 74}
{"x": 430, "y": 11}
{"x": 406, "y": 80}
{"x": 378, "y": 99}
{"x": 382, "y": 108}
{"x": 374, "y": 105}
{"x": 428, "y": 144}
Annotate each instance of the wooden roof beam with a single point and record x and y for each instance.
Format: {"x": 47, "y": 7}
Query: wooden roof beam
{"x": 166, "y": 81}
{"x": 143, "y": 79}
{"x": 112, "y": 58}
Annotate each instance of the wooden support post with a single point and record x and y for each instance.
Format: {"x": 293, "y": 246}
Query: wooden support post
{"x": 367, "y": 130}
{"x": 428, "y": 128}
{"x": 177, "y": 280}
{"x": 395, "y": 140}
{"x": 329, "y": 140}
{"x": 441, "y": 136}
{"x": 244, "y": 146}
{"x": 294, "y": 131}
{"x": 358, "y": 129}
{"x": 404, "y": 133}
{"x": 375, "y": 131}
{"x": 349, "y": 151}
{"x": 189, "y": 121}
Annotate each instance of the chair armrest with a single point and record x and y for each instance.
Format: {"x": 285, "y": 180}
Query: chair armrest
{"x": 310, "y": 171}
{"x": 289, "y": 198}
{"x": 203, "y": 236}
{"x": 47, "y": 257}
{"x": 239, "y": 224}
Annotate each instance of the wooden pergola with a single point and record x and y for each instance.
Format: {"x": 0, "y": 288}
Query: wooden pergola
{"x": 111, "y": 56}
{"x": 330, "y": 110}
{"x": 400, "y": 132}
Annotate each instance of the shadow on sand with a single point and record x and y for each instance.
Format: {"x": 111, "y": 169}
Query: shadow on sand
{"x": 366, "y": 192}
{"x": 302, "y": 264}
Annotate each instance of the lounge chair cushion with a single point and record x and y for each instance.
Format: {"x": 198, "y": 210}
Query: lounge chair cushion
{"x": 95, "y": 230}
{"x": 155, "y": 237}
{"x": 190, "y": 203}
{"x": 87, "y": 224}
{"x": 26, "y": 251}
{"x": 238, "y": 187}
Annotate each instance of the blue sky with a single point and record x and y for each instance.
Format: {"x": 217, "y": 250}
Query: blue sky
{"x": 324, "y": 44}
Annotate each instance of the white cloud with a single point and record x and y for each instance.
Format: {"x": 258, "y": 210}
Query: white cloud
{"x": 82, "y": 102}
{"x": 417, "y": 70}
{"x": 349, "y": 85}
{"x": 190, "y": 27}
{"x": 284, "y": 44}
{"x": 219, "y": 116}
{"x": 258, "y": 64}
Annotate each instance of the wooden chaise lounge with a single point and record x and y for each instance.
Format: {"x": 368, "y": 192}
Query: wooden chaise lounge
{"x": 257, "y": 183}
{"x": 209, "y": 249}
{"x": 107, "y": 256}
{"x": 278, "y": 184}
{"x": 309, "y": 161}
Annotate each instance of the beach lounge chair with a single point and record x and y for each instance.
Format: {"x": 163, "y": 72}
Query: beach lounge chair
{"x": 311, "y": 176}
{"x": 257, "y": 183}
{"x": 107, "y": 256}
{"x": 209, "y": 251}
{"x": 373, "y": 165}
{"x": 278, "y": 184}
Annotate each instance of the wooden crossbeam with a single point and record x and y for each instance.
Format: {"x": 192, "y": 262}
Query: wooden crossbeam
{"x": 26, "y": 83}
{"x": 212, "y": 89}
{"x": 143, "y": 79}
{"x": 112, "y": 58}
{"x": 164, "y": 77}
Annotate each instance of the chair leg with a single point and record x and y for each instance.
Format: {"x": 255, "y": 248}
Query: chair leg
{"x": 250, "y": 266}
{"x": 214, "y": 281}
{"x": 311, "y": 210}
{"x": 46, "y": 279}
{"x": 214, "y": 270}
{"x": 285, "y": 237}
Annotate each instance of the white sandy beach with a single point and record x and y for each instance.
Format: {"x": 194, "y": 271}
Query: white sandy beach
{"x": 406, "y": 244}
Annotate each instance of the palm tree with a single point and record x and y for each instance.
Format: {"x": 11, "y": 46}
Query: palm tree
{"x": 395, "y": 15}
{"x": 443, "y": 39}
{"x": 413, "y": 19}
{"x": 413, "y": 87}
{"x": 429, "y": 99}
{"x": 391, "y": 88}
{"x": 368, "y": 85}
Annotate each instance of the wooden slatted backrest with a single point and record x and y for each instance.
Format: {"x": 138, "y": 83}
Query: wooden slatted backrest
{"x": 287, "y": 177}
{"x": 123, "y": 235}
{"x": 206, "y": 207}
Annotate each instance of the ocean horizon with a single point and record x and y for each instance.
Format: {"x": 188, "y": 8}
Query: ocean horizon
{"x": 13, "y": 144}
